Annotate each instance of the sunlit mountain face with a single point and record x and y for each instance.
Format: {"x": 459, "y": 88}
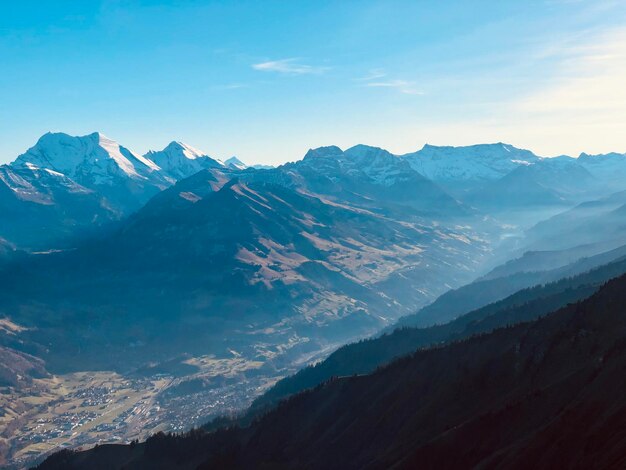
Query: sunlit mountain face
{"x": 154, "y": 293}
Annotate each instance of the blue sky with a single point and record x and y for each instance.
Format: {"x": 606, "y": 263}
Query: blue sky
{"x": 267, "y": 80}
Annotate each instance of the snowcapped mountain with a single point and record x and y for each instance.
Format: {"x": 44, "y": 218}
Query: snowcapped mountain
{"x": 272, "y": 265}
{"x": 513, "y": 184}
{"x": 71, "y": 174}
{"x": 91, "y": 160}
{"x": 477, "y": 168}
{"x": 179, "y": 160}
{"x": 235, "y": 164}
{"x": 321, "y": 250}
{"x": 66, "y": 184}
{"x": 482, "y": 162}
{"x": 126, "y": 180}
{"x": 365, "y": 176}
{"x": 361, "y": 162}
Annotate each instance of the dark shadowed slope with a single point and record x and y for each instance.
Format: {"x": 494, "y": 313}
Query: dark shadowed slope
{"x": 43, "y": 209}
{"x": 545, "y": 394}
{"x": 365, "y": 356}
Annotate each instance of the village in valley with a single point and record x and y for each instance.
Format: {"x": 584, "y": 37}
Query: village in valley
{"x": 88, "y": 408}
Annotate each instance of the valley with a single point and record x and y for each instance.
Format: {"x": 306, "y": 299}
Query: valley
{"x": 89, "y": 408}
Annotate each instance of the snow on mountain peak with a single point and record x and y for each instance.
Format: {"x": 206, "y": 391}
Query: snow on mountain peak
{"x": 187, "y": 150}
{"x": 179, "y": 160}
{"x": 474, "y": 162}
{"x": 235, "y": 163}
{"x": 94, "y": 158}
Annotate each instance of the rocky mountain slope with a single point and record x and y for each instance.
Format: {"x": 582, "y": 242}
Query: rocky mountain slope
{"x": 260, "y": 263}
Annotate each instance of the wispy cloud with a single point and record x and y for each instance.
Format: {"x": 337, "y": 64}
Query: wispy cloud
{"x": 378, "y": 78}
{"x": 373, "y": 74}
{"x": 288, "y": 66}
{"x": 590, "y": 81}
{"x": 402, "y": 86}
{"x": 231, "y": 86}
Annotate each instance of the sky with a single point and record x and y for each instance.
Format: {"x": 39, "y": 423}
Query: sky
{"x": 266, "y": 81}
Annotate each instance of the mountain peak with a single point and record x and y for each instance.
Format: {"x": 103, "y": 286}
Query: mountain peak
{"x": 179, "y": 160}
{"x": 93, "y": 157}
{"x": 236, "y": 164}
{"x": 186, "y": 150}
{"x": 97, "y": 135}
{"x": 367, "y": 151}
{"x": 328, "y": 151}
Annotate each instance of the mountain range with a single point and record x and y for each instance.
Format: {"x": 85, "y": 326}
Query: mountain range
{"x": 65, "y": 186}
{"x": 314, "y": 253}
{"x": 310, "y": 254}
{"x": 113, "y": 261}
